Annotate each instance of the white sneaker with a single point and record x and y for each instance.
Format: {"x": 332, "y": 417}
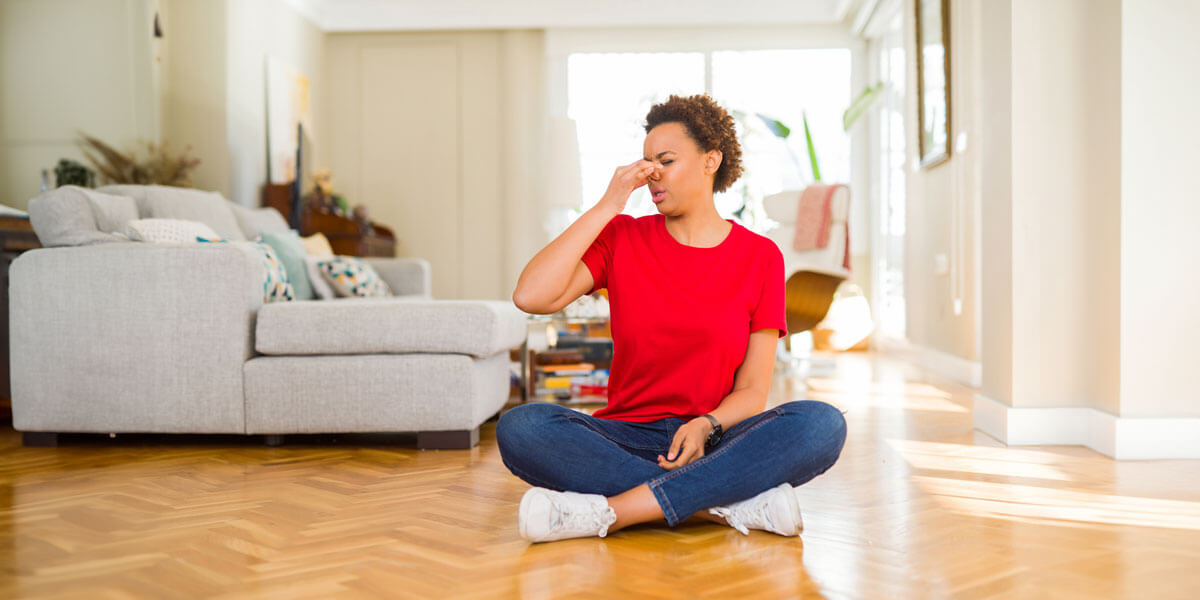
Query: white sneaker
{"x": 547, "y": 515}
{"x": 775, "y": 510}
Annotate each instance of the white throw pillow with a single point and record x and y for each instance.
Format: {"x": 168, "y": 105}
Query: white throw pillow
{"x": 319, "y": 284}
{"x": 168, "y": 231}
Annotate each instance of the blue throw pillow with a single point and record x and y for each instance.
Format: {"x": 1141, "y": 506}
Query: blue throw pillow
{"x": 291, "y": 253}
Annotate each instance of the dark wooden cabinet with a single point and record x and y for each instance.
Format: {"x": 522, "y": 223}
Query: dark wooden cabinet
{"x": 347, "y": 236}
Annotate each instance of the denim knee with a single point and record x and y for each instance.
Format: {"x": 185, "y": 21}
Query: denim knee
{"x": 820, "y": 421}
{"x": 520, "y": 424}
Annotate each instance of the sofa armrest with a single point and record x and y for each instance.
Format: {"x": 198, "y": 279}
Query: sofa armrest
{"x": 132, "y": 337}
{"x": 405, "y": 276}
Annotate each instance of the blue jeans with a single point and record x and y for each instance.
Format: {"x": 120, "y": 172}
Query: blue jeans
{"x": 554, "y": 447}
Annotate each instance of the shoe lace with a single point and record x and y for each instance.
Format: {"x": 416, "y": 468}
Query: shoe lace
{"x": 587, "y": 518}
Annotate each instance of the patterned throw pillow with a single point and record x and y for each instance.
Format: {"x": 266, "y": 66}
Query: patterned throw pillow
{"x": 168, "y": 231}
{"x": 276, "y": 287}
{"x": 320, "y": 286}
{"x": 350, "y": 276}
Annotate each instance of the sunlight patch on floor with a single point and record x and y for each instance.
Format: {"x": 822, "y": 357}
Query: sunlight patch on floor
{"x": 1007, "y": 500}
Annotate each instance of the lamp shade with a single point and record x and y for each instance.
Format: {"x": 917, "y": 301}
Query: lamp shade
{"x": 563, "y": 181}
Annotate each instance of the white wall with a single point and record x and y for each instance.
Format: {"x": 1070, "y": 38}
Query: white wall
{"x": 1160, "y": 211}
{"x": 943, "y": 201}
{"x": 69, "y": 66}
{"x": 995, "y": 201}
{"x": 258, "y": 29}
{"x": 438, "y": 134}
{"x": 93, "y": 66}
{"x": 215, "y": 97}
{"x": 1092, "y": 271}
{"x": 1066, "y": 199}
{"x": 194, "y": 86}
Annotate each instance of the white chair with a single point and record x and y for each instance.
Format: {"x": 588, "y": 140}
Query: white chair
{"x": 812, "y": 276}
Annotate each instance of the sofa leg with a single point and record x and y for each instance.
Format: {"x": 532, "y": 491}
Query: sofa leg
{"x": 462, "y": 439}
{"x": 39, "y": 439}
{"x": 273, "y": 440}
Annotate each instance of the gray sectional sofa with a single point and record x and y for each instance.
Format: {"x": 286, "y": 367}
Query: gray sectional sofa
{"x": 115, "y": 336}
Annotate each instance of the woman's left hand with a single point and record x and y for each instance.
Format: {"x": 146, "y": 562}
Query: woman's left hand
{"x": 688, "y": 444}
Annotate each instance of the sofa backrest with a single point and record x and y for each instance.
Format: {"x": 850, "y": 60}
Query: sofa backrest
{"x": 76, "y": 216}
{"x": 164, "y": 202}
{"x": 231, "y": 221}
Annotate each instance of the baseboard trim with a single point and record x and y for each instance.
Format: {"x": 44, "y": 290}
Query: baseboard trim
{"x": 966, "y": 372}
{"x": 1122, "y": 438}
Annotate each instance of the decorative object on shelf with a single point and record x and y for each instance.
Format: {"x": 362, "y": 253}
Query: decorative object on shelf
{"x": 346, "y": 236}
{"x": 322, "y": 199}
{"x": 933, "y": 81}
{"x": 159, "y": 165}
{"x": 69, "y": 172}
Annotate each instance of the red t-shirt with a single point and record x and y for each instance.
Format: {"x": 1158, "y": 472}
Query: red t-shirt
{"x": 681, "y": 315}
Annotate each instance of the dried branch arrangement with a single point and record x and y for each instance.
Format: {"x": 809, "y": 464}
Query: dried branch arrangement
{"x": 158, "y": 166}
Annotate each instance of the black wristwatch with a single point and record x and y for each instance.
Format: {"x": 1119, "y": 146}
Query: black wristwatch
{"x": 714, "y": 436}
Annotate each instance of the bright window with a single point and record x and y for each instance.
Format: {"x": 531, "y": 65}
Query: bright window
{"x": 609, "y": 94}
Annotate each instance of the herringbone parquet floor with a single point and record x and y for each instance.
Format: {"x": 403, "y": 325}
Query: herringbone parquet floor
{"x": 919, "y": 506}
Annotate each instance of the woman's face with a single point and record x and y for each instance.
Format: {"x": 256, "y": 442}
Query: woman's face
{"x": 683, "y": 175}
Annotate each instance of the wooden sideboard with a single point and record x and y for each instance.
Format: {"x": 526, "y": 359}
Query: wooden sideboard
{"x": 348, "y": 237}
{"x": 16, "y": 236}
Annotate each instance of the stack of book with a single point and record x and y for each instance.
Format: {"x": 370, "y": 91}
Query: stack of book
{"x": 563, "y": 374}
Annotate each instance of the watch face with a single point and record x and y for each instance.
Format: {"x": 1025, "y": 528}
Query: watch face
{"x": 714, "y": 436}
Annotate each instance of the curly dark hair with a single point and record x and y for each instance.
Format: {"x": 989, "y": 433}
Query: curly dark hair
{"x": 709, "y": 125}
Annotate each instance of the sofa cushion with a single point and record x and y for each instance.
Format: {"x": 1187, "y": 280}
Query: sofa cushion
{"x": 394, "y": 325}
{"x": 165, "y": 202}
{"x": 168, "y": 231}
{"x": 113, "y": 213}
{"x": 67, "y": 216}
{"x": 349, "y": 276}
{"x": 257, "y": 222}
{"x": 290, "y": 250}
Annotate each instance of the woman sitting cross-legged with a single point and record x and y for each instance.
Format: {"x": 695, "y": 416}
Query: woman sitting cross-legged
{"x": 697, "y": 310}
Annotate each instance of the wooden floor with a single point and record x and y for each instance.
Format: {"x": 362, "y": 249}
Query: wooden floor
{"x": 919, "y": 506}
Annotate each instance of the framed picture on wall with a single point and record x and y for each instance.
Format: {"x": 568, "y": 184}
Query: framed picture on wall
{"x": 933, "y": 81}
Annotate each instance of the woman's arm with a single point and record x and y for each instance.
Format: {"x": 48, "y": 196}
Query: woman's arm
{"x": 751, "y": 385}
{"x": 556, "y": 276}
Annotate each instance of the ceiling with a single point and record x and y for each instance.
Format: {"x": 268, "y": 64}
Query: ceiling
{"x": 416, "y": 15}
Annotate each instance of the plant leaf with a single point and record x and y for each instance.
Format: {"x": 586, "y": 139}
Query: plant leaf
{"x": 775, "y": 126}
{"x": 861, "y": 105}
{"x": 812, "y": 154}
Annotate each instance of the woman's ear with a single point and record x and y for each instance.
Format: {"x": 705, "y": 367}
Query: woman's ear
{"x": 712, "y": 161}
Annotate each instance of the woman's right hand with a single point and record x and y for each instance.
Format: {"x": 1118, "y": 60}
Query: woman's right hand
{"x": 626, "y": 179}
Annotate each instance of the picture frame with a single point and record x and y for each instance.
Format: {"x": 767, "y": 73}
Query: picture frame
{"x": 933, "y": 81}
